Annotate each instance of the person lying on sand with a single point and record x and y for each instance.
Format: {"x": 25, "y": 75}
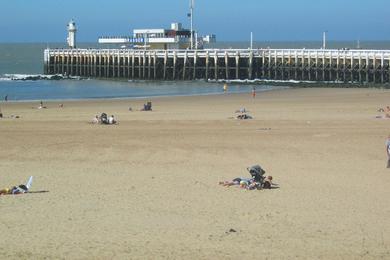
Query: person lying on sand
{"x": 233, "y": 182}
{"x": 385, "y": 116}
{"x": 22, "y": 188}
{"x": 244, "y": 116}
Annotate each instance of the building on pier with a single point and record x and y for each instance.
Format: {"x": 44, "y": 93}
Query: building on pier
{"x": 174, "y": 38}
{"x": 324, "y": 65}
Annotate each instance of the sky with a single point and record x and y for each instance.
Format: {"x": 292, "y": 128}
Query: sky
{"x": 231, "y": 20}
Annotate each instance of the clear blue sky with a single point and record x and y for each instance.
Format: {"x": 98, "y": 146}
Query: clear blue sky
{"x": 231, "y": 20}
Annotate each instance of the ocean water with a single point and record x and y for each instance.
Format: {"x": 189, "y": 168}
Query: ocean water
{"x": 27, "y": 58}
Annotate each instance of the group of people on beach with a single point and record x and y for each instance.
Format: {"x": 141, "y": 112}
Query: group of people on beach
{"x": 104, "y": 119}
{"x": 243, "y": 114}
{"x": 257, "y": 181}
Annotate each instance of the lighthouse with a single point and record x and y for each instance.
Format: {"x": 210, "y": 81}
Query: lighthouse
{"x": 72, "y": 34}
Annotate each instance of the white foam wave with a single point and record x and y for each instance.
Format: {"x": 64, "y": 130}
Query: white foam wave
{"x": 252, "y": 81}
{"x": 9, "y": 77}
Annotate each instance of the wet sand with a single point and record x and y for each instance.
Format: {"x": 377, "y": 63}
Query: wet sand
{"x": 148, "y": 187}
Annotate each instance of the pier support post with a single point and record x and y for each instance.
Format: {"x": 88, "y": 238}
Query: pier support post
{"x": 382, "y": 70}
{"x": 149, "y": 64}
{"x": 132, "y": 64}
{"x": 296, "y": 65}
{"x": 185, "y": 65}
{"x": 113, "y": 65}
{"x": 317, "y": 65}
{"x": 226, "y": 65}
{"x": 269, "y": 64}
{"x": 367, "y": 68}
{"x": 323, "y": 65}
{"x": 139, "y": 65}
{"x": 374, "y": 68}
{"x": 237, "y": 65}
{"x": 262, "y": 64}
{"x": 283, "y": 65}
{"x": 144, "y": 65}
{"x": 250, "y": 65}
{"x": 154, "y": 65}
{"x": 195, "y": 64}
{"x": 338, "y": 66}
{"x": 215, "y": 65}
{"x": 128, "y": 64}
{"x": 165, "y": 64}
{"x": 207, "y": 65}
{"x": 174, "y": 64}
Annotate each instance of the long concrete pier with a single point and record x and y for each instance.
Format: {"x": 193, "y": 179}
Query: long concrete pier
{"x": 359, "y": 66}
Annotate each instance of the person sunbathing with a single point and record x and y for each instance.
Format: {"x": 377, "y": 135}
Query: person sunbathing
{"x": 244, "y": 116}
{"x": 233, "y": 182}
{"x": 20, "y": 189}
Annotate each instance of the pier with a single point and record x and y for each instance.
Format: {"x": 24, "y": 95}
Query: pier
{"x": 324, "y": 65}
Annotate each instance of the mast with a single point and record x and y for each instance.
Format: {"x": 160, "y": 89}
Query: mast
{"x": 324, "y": 39}
{"x": 192, "y": 22}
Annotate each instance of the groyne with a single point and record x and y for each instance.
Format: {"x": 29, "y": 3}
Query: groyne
{"x": 356, "y": 66}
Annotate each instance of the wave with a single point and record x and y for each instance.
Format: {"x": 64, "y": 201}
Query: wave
{"x": 33, "y": 77}
{"x": 253, "y": 81}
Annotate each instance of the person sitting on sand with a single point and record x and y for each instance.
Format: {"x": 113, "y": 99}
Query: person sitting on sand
{"x": 147, "y": 106}
{"x": 95, "y": 120}
{"x": 241, "y": 110}
{"x": 20, "y": 189}
{"x": 41, "y": 105}
{"x": 267, "y": 183}
{"x": 111, "y": 120}
{"x": 103, "y": 119}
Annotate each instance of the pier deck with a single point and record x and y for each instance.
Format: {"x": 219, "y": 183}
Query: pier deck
{"x": 362, "y": 66}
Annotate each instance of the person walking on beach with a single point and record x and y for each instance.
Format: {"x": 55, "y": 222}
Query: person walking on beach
{"x": 388, "y": 151}
{"x": 254, "y": 92}
{"x": 6, "y": 98}
{"x": 225, "y": 87}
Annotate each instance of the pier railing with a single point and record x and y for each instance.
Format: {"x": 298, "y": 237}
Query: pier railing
{"x": 269, "y": 64}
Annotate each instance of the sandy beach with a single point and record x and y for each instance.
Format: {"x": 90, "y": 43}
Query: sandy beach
{"x": 147, "y": 188}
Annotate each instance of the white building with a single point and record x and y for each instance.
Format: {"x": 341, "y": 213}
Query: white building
{"x": 211, "y": 38}
{"x": 174, "y": 38}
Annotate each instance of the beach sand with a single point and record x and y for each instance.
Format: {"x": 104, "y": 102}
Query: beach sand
{"x": 148, "y": 187}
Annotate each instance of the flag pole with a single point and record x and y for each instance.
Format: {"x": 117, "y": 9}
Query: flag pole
{"x": 192, "y": 22}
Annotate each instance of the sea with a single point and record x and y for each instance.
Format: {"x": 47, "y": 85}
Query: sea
{"x": 20, "y": 61}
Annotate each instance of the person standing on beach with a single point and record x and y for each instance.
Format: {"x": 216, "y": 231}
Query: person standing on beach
{"x": 225, "y": 87}
{"x": 254, "y": 92}
{"x": 6, "y": 98}
{"x": 388, "y": 151}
